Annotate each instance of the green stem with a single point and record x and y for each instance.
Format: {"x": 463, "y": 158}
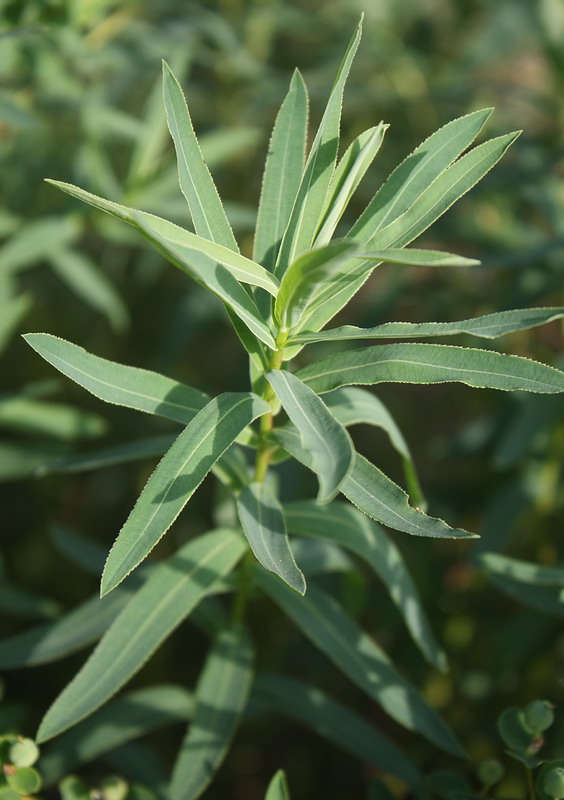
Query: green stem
{"x": 264, "y": 449}
{"x": 530, "y": 787}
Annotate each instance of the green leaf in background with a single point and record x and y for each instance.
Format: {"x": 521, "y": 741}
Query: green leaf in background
{"x": 431, "y": 363}
{"x": 278, "y": 787}
{"x": 263, "y": 523}
{"x": 196, "y": 182}
{"x": 349, "y": 172}
{"x": 335, "y": 722}
{"x": 30, "y": 416}
{"x": 352, "y": 530}
{"x": 121, "y": 720}
{"x": 177, "y": 477}
{"x": 119, "y": 384}
{"x": 11, "y": 314}
{"x": 375, "y": 494}
{"x": 21, "y": 602}
{"x": 220, "y": 700}
{"x": 330, "y": 446}
{"x": 172, "y": 591}
{"x": 320, "y": 164}
{"x": 282, "y": 173}
{"x": 537, "y": 586}
{"x": 490, "y": 326}
{"x": 358, "y": 656}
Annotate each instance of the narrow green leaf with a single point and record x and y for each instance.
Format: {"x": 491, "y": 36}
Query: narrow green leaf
{"x": 410, "y": 179}
{"x": 375, "y": 494}
{"x": 318, "y": 171}
{"x": 20, "y": 602}
{"x": 412, "y": 257}
{"x": 172, "y": 591}
{"x": 282, "y": 173}
{"x": 490, "y": 326}
{"x": 11, "y": 314}
{"x": 278, "y": 787}
{"x": 60, "y": 421}
{"x": 358, "y": 656}
{"x": 263, "y": 523}
{"x": 220, "y": 700}
{"x": 117, "y": 383}
{"x": 523, "y": 571}
{"x": 335, "y": 722}
{"x": 196, "y": 182}
{"x": 349, "y": 528}
{"x": 123, "y": 719}
{"x": 177, "y": 477}
{"x": 330, "y": 446}
{"x": 350, "y": 171}
{"x": 316, "y": 556}
{"x": 432, "y": 363}
{"x": 304, "y": 280}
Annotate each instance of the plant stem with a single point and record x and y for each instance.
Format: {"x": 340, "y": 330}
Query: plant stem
{"x": 264, "y": 450}
{"x": 530, "y": 787}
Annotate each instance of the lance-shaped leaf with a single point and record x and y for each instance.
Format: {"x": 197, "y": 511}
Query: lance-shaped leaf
{"x": 352, "y": 406}
{"x": 452, "y": 184}
{"x": 213, "y": 276}
{"x": 335, "y": 722}
{"x": 350, "y": 171}
{"x": 375, "y": 494}
{"x": 304, "y": 279}
{"x": 177, "y": 477}
{"x": 432, "y": 363}
{"x": 263, "y": 523}
{"x": 536, "y": 586}
{"x": 318, "y": 171}
{"x": 358, "y": 656}
{"x": 282, "y": 173}
{"x": 172, "y": 591}
{"x": 330, "y": 446}
{"x": 278, "y": 787}
{"x": 119, "y": 384}
{"x": 349, "y": 528}
{"x": 220, "y": 700}
{"x": 196, "y": 182}
{"x": 490, "y": 326}
{"x": 411, "y": 257}
{"x": 121, "y": 720}
{"x": 410, "y": 179}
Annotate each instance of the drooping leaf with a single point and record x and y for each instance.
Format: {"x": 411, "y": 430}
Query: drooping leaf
{"x": 335, "y": 722}
{"x": 431, "y": 363}
{"x": 318, "y": 171}
{"x": 490, "y": 326}
{"x": 177, "y": 477}
{"x": 331, "y": 449}
{"x": 537, "y": 586}
{"x": 121, "y": 720}
{"x": 263, "y": 523}
{"x": 172, "y": 591}
{"x": 278, "y": 787}
{"x": 282, "y": 173}
{"x": 375, "y": 494}
{"x": 220, "y": 700}
{"x": 349, "y": 172}
{"x": 352, "y": 530}
{"x": 358, "y": 656}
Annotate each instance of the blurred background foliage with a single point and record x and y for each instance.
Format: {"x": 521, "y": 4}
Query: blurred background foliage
{"x": 80, "y": 101}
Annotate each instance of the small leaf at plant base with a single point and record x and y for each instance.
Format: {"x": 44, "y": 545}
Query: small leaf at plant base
{"x": 550, "y": 780}
{"x": 72, "y": 788}
{"x": 538, "y": 715}
{"x": 114, "y": 788}
{"x": 263, "y": 523}
{"x": 330, "y": 446}
{"x": 177, "y": 477}
{"x": 278, "y": 787}
{"x": 24, "y": 752}
{"x": 23, "y": 780}
{"x": 515, "y": 732}
{"x": 490, "y": 772}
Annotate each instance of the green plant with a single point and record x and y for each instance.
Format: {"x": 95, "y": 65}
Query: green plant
{"x": 279, "y": 301}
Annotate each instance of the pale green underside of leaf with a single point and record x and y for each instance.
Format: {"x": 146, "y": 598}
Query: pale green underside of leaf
{"x": 490, "y": 326}
{"x": 432, "y": 363}
{"x": 172, "y": 591}
{"x": 220, "y": 700}
{"x": 318, "y": 171}
{"x": 349, "y": 173}
{"x": 123, "y": 719}
{"x": 335, "y": 722}
{"x": 412, "y": 257}
{"x": 262, "y": 519}
{"x": 177, "y": 477}
{"x": 375, "y": 494}
{"x": 278, "y": 788}
{"x": 327, "y": 441}
{"x": 196, "y": 182}
{"x": 349, "y": 528}
{"x": 427, "y": 207}
{"x": 282, "y": 173}
{"x": 358, "y": 656}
